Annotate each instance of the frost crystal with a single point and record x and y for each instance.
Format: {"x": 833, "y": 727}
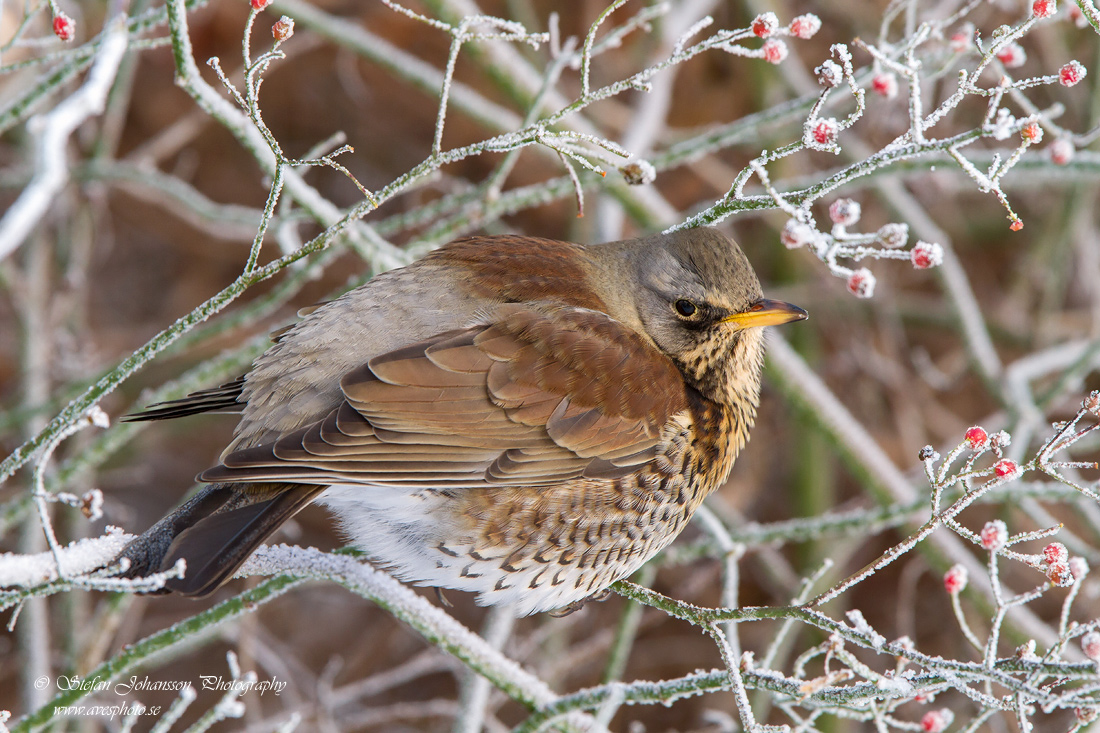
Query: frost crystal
{"x": 1002, "y": 126}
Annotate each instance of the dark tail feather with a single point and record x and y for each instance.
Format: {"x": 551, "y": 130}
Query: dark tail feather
{"x": 215, "y": 532}
{"x": 226, "y": 398}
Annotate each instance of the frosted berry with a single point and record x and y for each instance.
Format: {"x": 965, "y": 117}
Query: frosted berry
{"x": 824, "y": 132}
{"x": 1090, "y": 645}
{"x": 805, "y": 26}
{"x": 892, "y": 235}
{"x": 977, "y": 438}
{"x": 283, "y": 28}
{"x": 1085, "y": 715}
{"x": 1012, "y": 55}
{"x": 1031, "y": 133}
{"x": 1092, "y": 402}
{"x": 1056, "y": 552}
{"x": 259, "y": 4}
{"x": 1006, "y": 469}
{"x": 955, "y": 579}
{"x": 1078, "y": 567}
{"x": 774, "y": 50}
{"x": 1059, "y": 574}
{"x": 1071, "y": 73}
{"x": 796, "y": 234}
{"x": 1061, "y": 151}
{"x": 925, "y": 255}
{"x": 928, "y": 453}
{"x": 963, "y": 38}
{"x": 64, "y": 27}
{"x": 638, "y": 172}
{"x": 994, "y": 535}
{"x": 829, "y": 74}
{"x": 845, "y": 212}
{"x": 936, "y": 721}
{"x": 861, "y": 283}
{"x": 885, "y": 85}
{"x": 1016, "y": 225}
{"x": 765, "y": 24}
{"x": 1044, "y": 8}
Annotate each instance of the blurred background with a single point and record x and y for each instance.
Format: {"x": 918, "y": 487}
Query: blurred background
{"x": 164, "y": 203}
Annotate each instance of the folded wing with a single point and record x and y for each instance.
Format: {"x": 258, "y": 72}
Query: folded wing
{"x": 540, "y": 395}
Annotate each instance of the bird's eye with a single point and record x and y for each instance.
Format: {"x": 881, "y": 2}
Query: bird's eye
{"x": 685, "y": 308}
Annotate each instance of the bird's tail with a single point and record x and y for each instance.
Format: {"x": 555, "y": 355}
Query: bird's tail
{"x": 214, "y": 532}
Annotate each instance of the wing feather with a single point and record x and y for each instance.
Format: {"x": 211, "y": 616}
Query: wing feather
{"x": 537, "y": 395}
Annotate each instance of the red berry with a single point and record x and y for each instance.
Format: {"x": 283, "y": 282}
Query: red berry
{"x": 805, "y": 26}
{"x": 1092, "y": 402}
{"x": 845, "y": 212}
{"x": 885, "y": 85}
{"x": 1016, "y": 225}
{"x": 1031, "y": 133}
{"x": 824, "y": 132}
{"x": 1012, "y": 55}
{"x": 936, "y": 721}
{"x": 283, "y": 28}
{"x": 1056, "y": 552}
{"x": 977, "y": 438}
{"x": 796, "y": 234}
{"x": 259, "y": 4}
{"x": 64, "y": 27}
{"x": 1078, "y": 567}
{"x": 1059, "y": 574}
{"x": 765, "y": 24}
{"x": 955, "y": 579}
{"x": 774, "y": 50}
{"x": 963, "y": 38}
{"x": 861, "y": 283}
{"x": 925, "y": 255}
{"x": 1071, "y": 73}
{"x": 994, "y": 535}
{"x": 1044, "y": 8}
{"x": 1090, "y": 645}
{"x": 1061, "y": 151}
{"x": 1005, "y": 468}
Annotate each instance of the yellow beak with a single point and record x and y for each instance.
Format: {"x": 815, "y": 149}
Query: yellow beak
{"x": 766, "y": 312}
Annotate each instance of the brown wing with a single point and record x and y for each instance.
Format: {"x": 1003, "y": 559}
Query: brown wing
{"x": 540, "y": 395}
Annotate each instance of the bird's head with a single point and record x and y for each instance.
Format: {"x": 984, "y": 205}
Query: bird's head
{"x": 697, "y": 297}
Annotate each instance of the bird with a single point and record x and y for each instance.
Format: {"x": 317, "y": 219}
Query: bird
{"x": 522, "y": 418}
